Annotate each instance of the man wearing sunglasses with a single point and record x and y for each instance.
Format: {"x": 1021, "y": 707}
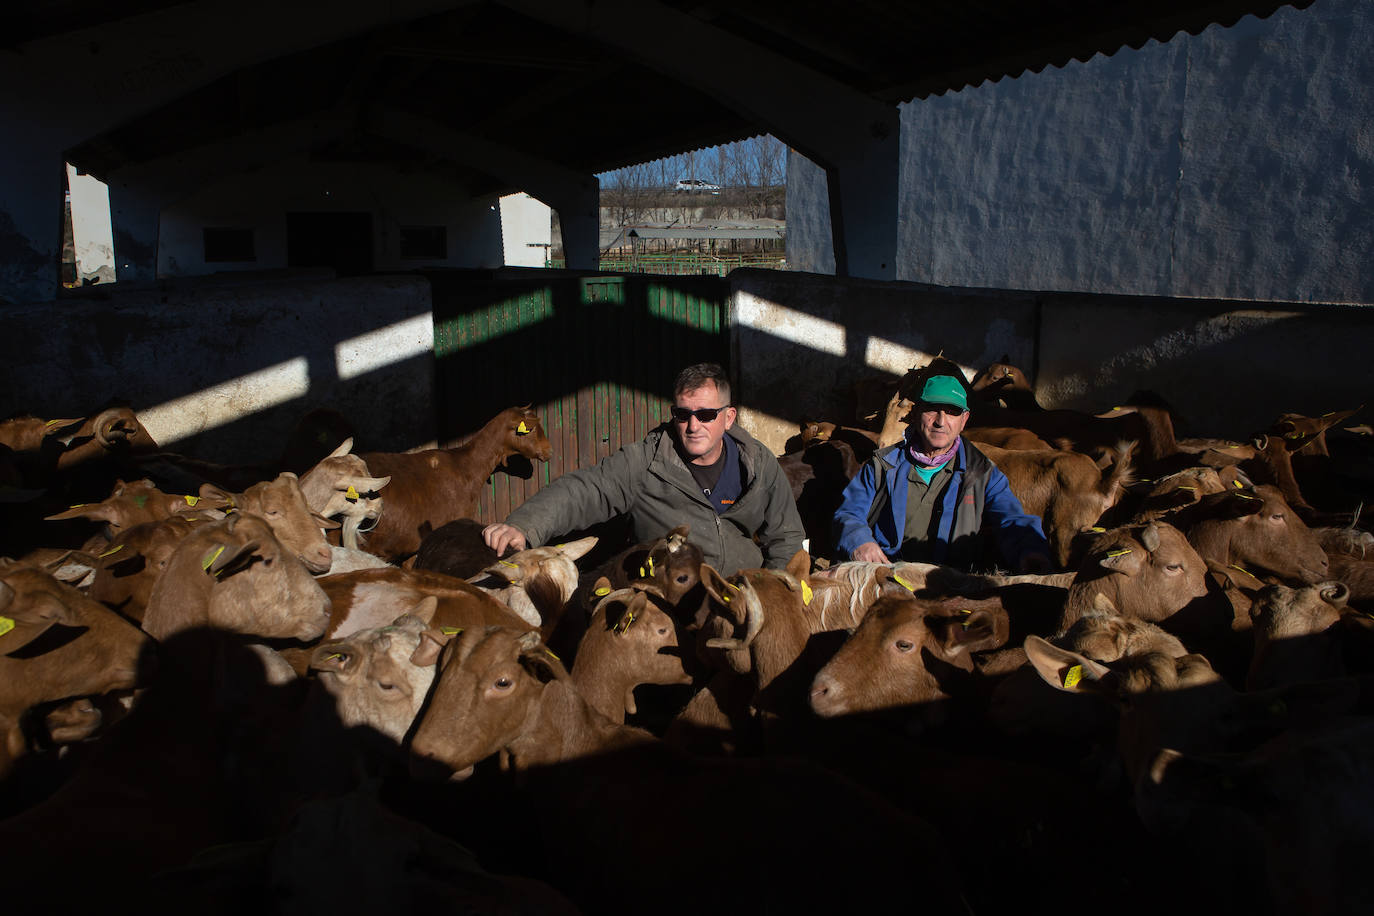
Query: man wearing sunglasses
{"x": 928, "y": 499}
{"x": 697, "y": 469}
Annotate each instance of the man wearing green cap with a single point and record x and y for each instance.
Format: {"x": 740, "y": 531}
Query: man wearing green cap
{"x": 928, "y": 498}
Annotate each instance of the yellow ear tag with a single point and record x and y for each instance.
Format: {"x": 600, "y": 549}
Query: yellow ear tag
{"x": 450, "y": 631}
{"x": 79, "y": 506}
{"x": 603, "y": 591}
{"x": 1292, "y": 435}
{"x": 115, "y": 549}
{"x": 1073, "y": 676}
{"x": 522, "y": 429}
{"x": 642, "y": 573}
{"x": 1238, "y": 484}
{"x": 651, "y": 566}
{"x": 6, "y": 625}
{"x": 1119, "y": 553}
{"x": 191, "y": 500}
{"x": 1246, "y": 496}
{"x": 1097, "y": 530}
{"x": 511, "y": 565}
{"x": 1187, "y": 488}
{"x": 351, "y": 494}
{"x": 806, "y": 593}
{"x": 903, "y": 583}
{"x": 968, "y": 617}
{"x": 624, "y": 625}
{"x": 549, "y": 653}
{"x": 1244, "y": 570}
{"x": 52, "y": 422}
{"x": 330, "y": 658}
{"x": 210, "y": 559}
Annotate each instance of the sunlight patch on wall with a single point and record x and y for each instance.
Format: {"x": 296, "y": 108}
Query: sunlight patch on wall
{"x": 228, "y": 401}
{"x": 897, "y": 359}
{"x": 384, "y": 346}
{"x": 789, "y": 324}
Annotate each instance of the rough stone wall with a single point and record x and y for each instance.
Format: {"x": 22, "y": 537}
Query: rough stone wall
{"x": 224, "y": 369}
{"x": 1238, "y": 163}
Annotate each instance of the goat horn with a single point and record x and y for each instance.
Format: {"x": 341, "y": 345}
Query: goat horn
{"x": 753, "y": 624}
{"x": 109, "y": 418}
{"x": 344, "y": 448}
{"x": 1336, "y": 593}
{"x": 1149, "y": 536}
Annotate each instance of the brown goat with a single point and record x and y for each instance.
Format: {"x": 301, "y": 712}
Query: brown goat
{"x": 130, "y": 567}
{"x": 500, "y": 692}
{"x": 1256, "y": 529}
{"x": 908, "y": 651}
{"x": 71, "y": 647}
{"x": 369, "y": 598}
{"x": 1148, "y": 572}
{"x": 1298, "y": 635}
{"x": 1066, "y": 489}
{"x": 282, "y": 505}
{"x": 341, "y": 487}
{"x": 435, "y": 486}
{"x": 630, "y": 640}
{"x": 235, "y": 575}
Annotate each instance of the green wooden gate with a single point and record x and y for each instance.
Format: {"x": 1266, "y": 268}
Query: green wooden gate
{"x": 596, "y": 355}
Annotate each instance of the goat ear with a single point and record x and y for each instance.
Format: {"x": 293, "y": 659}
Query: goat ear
{"x": 344, "y": 448}
{"x": 1104, "y": 605}
{"x": 424, "y": 611}
{"x": 975, "y": 630}
{"x": 92, "y": 511}
{"x": 632, "y": 611}
{"x": 1236, "y": 502}
{"x": 601, "y": 589}
{"x": 799, "y": 567}
{"x": 1125, "y": 560}
{"x": 328, "y": 524}
{"x": 716, "y": 586}
{"x": 891, "y": 585}
{"x": 333, "y": 656}
{"x": 1062, "y": 669}
{"x": 576, "y": 550}
{"x": 431, "y": 647}
{"x": 221, "y": 555}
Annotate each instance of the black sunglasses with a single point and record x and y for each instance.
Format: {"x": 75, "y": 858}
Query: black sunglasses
{"x": 703, "y": 414}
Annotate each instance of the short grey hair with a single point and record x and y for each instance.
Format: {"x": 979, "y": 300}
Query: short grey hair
{"x": 694, "y": 377}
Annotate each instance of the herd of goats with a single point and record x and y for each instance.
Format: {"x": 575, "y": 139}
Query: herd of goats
{"x": 308, "y": 685}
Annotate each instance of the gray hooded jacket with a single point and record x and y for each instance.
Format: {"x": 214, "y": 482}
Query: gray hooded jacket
{"x": 649, "y": 481}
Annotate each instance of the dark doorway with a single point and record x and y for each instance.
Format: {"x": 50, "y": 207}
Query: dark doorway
{"x": 342, "y": 241}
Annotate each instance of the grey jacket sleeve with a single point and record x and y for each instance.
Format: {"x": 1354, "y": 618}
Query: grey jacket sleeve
{"x": 781, "y": 534}
{"x": 583, "y": 497}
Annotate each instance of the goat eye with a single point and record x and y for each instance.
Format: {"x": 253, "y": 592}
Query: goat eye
{"x": 682, "y": 579}
{"x": 1277, "y": 516}
{"x": 904, "y": 646}
{"x": 1174, "y": 568}
{"x": 503, "y": 683}
{"x": 662, "y": 631}
{"x": 386, "y": 686}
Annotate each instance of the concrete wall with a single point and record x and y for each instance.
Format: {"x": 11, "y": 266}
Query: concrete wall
{"x": 1228, "y": 368}
{"x": 223, "y": 370}
{"x": 801, "y": 341}
{"x": 261, "y": 199}
{"x": 526, "y": 230}
{"x": 1237, "y": 163}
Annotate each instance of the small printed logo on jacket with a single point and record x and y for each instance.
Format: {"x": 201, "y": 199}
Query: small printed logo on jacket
{"x": 727, "y": 502}
{"x": 968, "y": 499}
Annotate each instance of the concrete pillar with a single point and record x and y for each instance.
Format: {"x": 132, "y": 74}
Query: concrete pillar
{"x": 32, "y": 180}
{"x": 853, "y": 136}
{"x": 862, "y": 184}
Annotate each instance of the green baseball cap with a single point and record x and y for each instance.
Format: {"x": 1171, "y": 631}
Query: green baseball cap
{"x": 944, "y": 390}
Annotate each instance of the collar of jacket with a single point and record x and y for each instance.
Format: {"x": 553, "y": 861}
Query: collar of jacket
{"x": 896, "y": 456}
{"x": 668, "y": 464}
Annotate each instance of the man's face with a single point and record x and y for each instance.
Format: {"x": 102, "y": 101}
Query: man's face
{"x": 938, "y": 426}
{"x": 701, "y": 441}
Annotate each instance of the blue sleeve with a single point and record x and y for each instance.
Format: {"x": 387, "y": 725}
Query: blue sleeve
{"x": 851, "y": 519}
{"x": 1018, "y": 535}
